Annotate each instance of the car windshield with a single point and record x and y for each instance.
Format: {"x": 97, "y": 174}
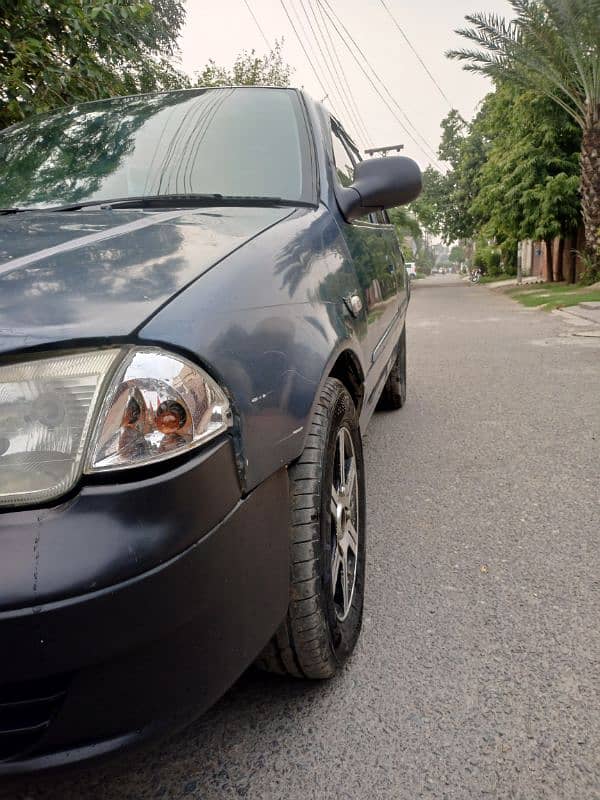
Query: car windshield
{"x": 236, "y": 142}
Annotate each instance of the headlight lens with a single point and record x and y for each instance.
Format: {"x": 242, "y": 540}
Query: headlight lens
{"x": 159, "y": 405}
{"x": 46, "y": 409}
{"x": 156, "y": 405}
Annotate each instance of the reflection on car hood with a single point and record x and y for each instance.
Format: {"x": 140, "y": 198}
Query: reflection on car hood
{"x": 103, "y": 273}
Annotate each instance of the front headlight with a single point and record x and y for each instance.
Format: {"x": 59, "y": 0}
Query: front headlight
{"x": 159, "y": 405}
{"x": 107, "y": 410}
{"x": 46, "y": 409}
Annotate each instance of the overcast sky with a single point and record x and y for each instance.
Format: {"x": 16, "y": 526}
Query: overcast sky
{"x": 221, "y": 30}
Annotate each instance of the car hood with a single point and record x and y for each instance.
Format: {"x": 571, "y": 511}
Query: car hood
{"x": 101, "y": 274}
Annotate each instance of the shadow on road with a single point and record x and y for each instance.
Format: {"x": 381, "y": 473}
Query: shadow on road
{"x": 203, "y": 749}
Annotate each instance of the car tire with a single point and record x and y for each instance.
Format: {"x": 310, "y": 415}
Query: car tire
{"x": 394, "y": 391}
{"x": 327, "y": 521}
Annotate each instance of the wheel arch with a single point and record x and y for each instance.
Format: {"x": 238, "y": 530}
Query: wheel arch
{"x": 347, "y": 369}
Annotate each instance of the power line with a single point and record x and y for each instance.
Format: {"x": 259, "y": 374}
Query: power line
{"x": 331, "y": 15}
{"x": 343, "y": 76}
{"x": 305, "y": 41}
{"x": 310, "y": 42}
{"x": 324, "y": 57}
{"x": 343, "y": 80}
{"x": 409, "y": 43}
{"x": 425, "y": 147}
{"x": 257, "y": 23}
{"x": 305, "y": 51}
{"x": 325, "y": 60}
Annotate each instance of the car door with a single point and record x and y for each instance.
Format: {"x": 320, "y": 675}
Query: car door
{"x": 373, "y": 252}
{"x": 397, "y": 259}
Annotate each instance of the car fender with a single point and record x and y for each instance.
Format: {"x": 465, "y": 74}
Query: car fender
{"x": 269, "y": 323}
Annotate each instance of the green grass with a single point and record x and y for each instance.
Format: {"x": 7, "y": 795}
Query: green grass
{"x": 553, "y": 295}
{"x": 373, "y": 315}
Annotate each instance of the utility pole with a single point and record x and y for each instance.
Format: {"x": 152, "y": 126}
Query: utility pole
{"x": 371, "y": 151}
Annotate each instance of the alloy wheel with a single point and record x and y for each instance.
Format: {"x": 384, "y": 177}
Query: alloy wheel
{"x": 344, "y": 524}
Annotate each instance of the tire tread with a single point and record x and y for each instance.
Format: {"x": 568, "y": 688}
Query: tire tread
{"x": 301, "y": 647}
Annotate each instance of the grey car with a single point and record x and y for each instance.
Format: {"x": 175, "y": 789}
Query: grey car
{"x": 202, "y": 302}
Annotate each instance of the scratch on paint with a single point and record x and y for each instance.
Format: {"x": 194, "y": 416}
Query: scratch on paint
{"x": 36, "y": 556}
{"x": 293, "y": 433}
{"x": 311, "y": 381}
{"x": 260, "y": 397}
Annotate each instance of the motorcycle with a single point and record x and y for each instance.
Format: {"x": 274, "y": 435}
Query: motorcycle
{"x": 475, "y": 275}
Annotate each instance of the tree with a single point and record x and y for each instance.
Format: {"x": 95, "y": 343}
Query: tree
{"x": 514, "y": 174}
{"x": 69, "y": 156}
{"x": 528, "y": 187}
{"x": 444, "y": 206}
{"x": 487, "y": 256}
{"x": 455, "y": 222}
{"x": 470, "y": 147}
{"x": 454, "y": 129}
{"x": 249, "y": 70}
{"x": 429, "y": 207}
{"x": 59, "y": 52}
{"x": 426, "y": 258}
{"x": 405, "y": 222}
{"x": 553, "y": 48}
{"x": 458, "y": 255}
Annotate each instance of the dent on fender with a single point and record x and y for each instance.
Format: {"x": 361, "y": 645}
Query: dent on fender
{"x": 274, "y": 354}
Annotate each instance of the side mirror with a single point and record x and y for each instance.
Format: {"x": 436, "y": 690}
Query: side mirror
{"x": 380, "y": 183}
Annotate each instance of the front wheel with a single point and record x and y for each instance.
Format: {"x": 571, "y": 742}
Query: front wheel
{"x": 328, "y": 545}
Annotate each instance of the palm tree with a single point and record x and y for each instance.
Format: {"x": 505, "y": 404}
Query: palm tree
{"x": 552, "y": 47}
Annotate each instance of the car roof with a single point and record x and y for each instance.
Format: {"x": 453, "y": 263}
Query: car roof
{"x": 159, "y": 93}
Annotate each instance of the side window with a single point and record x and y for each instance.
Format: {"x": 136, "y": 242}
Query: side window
{"x": 343, "y": 160}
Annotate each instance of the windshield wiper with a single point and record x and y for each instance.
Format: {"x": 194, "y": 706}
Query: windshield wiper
{"x": 148, "y": 201}
{"x": 181, "y": 201}
{"x": 13, "y": 210}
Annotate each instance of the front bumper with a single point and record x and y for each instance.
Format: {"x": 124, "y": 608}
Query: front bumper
{"x": 85, "y": 673}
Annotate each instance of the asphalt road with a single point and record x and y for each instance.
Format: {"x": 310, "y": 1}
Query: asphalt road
{"x": 477, "y": 674}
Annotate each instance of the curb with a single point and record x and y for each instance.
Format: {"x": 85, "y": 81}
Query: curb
{"x": 527, "y": 281}
{"x": 577, "y": 318}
